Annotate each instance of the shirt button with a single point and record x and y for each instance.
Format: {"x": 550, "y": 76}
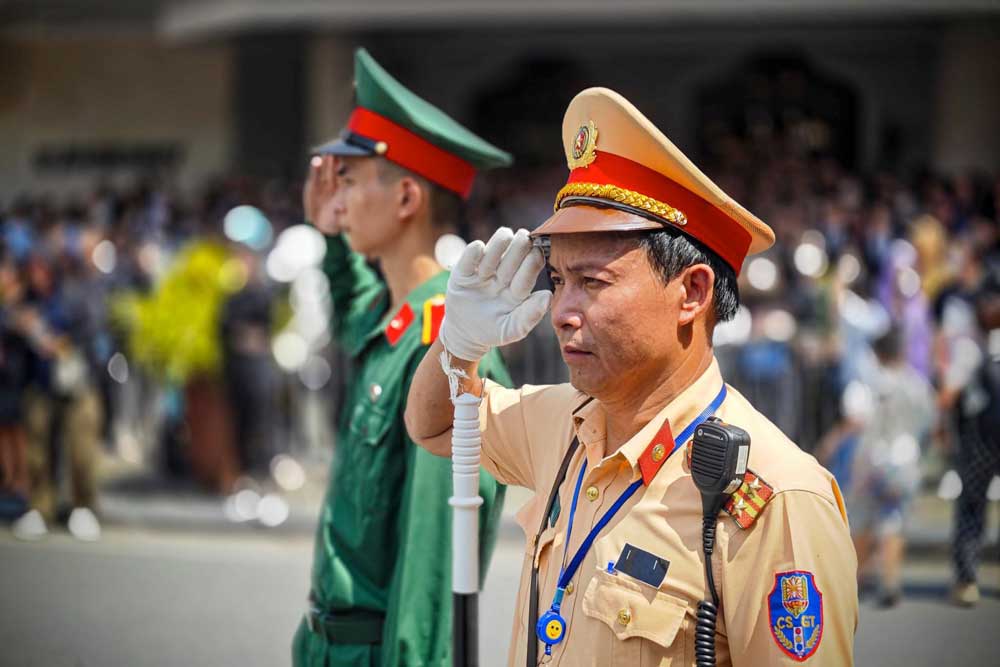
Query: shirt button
{"x": 374, "y": 391}
{"x": 592, "y": 493}
{"x": 624, "y": 616}
{"x": 569, "y": 588}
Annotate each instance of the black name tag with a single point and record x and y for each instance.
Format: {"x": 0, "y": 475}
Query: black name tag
{"x": 642, "y": 565}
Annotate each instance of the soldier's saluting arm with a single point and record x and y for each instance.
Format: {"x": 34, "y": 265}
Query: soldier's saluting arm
{"x": 358, "y": 294}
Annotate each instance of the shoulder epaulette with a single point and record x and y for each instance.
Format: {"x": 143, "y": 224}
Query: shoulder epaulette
{"x": 433, "y": 314}
{"x": 748, "y": 501}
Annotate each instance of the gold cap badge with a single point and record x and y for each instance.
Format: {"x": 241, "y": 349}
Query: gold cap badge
{"x": 584, "y": 146}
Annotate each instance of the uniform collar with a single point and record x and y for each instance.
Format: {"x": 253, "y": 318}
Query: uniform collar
{"x": 641, "y": 451}
{"x": 394, "y": 325}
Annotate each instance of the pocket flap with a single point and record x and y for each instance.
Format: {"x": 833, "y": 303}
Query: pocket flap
{"x": 369, "y": 424}
{"x": 631, "y": 610}
{"x": 549, "y": 539}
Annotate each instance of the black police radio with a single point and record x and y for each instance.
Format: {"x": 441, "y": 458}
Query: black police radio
{"x": 718, "y": 463}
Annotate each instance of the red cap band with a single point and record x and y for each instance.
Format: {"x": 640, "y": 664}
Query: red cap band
{"x": 414, "y": 152}
{"x": 705, "y": 222}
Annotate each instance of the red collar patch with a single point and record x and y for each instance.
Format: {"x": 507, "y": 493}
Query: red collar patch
{"x": 399, "y": 323}
{"x": 656, "y": 453}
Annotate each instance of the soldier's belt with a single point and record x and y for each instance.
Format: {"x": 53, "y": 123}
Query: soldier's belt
{"x": 356, "y": 627}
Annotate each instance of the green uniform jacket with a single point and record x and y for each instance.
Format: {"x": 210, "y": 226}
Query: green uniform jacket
{"x": 383, "y": 543}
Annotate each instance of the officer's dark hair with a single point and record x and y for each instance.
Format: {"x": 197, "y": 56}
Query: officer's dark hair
{"x": 670, "y": 252}
{"x": 446, "y": 207}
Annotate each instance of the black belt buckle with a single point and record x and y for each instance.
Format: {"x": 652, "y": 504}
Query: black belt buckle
{"x": 353, "y": 627}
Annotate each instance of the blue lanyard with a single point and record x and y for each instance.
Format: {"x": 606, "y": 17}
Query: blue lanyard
{"x": 568, "y": 571}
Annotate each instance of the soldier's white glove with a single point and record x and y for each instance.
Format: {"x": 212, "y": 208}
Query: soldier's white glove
{"x": 489, "y": 301}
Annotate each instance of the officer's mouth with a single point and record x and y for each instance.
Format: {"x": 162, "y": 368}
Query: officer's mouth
{"x": 573, "y": 353}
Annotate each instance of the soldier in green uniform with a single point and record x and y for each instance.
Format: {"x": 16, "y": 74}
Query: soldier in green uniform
{"x": 385, "y": 191}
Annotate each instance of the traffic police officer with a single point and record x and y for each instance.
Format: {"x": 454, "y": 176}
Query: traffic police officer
{"x": 381, "y": 574}
{"x": 644, "y": 254}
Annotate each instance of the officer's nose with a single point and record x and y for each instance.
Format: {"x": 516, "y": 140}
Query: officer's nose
{"x": 566, "y": 311}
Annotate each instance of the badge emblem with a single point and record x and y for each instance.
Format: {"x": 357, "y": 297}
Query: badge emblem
{"x": 795, "y": 605}
{"x": 584, "y": 146}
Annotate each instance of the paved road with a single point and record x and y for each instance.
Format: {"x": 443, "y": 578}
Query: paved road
{"x": 167, "y": 599}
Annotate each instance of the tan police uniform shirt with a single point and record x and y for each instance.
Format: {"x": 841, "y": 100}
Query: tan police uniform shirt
{"x": 614, "y": 619}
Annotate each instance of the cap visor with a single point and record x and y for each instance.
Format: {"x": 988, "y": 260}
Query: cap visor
{"x": 342, "y": 148}
{"x": 587, "y": 218}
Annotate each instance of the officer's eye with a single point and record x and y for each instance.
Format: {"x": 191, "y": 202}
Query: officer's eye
{"x": 593, "y": 283}
{"x": 555, "y": 280}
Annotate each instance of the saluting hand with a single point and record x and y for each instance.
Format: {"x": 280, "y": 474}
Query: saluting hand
{"x": 489, "y": 301}
{"x": 319, "y": 193}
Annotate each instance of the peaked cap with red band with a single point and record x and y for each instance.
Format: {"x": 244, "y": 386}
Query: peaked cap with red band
{"x": 393, "y": 122}
{"x": 625, "y": 175}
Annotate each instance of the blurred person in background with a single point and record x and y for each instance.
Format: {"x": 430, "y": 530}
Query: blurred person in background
{"x": 860, "y": 321}
{"x": 886, "y": 469}
{"x": 14, "y": 362}
{"x": 62, "y": 409}
{"x": 381, "y": 578}
{"x": 251, "y": 377}
{"x": 899, "y": 291}
{"x": 930, "y": 240}
{"x": 968, "y": 312}
{"x": 18, "y": 229}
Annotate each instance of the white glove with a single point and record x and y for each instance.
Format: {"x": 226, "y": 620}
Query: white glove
{"x": 489, "y": 301}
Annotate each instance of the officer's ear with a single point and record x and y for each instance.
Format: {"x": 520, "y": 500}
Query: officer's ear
{"x": 698, "y": 291}
{"x": 413, "y": 197}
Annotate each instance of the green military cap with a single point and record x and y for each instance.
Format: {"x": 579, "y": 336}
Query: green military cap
{"x": 392, "y": 121}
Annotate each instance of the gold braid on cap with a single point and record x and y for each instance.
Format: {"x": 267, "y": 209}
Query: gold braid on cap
{"x": 622, "y": 196}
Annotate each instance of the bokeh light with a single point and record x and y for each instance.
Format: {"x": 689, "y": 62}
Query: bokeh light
{"x": 248, "y": 225}
{"x": 448, "y": 249}
{"x": 105, "y": 256}
{"x": 298, "y": 248}
{"x": 118, "y": 368}
{"x": 290, "y": 350}
{"x": 762, "y": 274}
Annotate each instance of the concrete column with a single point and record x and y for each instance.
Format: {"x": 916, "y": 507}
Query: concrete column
{"x": 269, "y": 105}
{"x": 967, "y": 104}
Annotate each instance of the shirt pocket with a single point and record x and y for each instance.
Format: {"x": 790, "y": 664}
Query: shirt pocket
{"x": 548, "y": 542}
{"x": 369, "y": 424}
{"x": 645, "y": 624}
{"x": 373, "y": 463}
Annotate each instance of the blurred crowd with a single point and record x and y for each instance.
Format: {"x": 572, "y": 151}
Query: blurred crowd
{"x": 870, "y": 333}
{"x": 69, "y": 390}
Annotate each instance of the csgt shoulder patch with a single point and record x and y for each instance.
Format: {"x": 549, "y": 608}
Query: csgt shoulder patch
{"x": 748, "y": 501}
{"x": 795, "y": 607}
